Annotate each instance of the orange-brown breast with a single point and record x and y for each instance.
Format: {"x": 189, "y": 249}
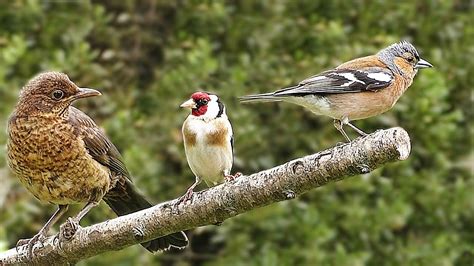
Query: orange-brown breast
{"x": 362, "y": 105}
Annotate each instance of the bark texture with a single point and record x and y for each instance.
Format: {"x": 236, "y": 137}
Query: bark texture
{"x": 216, "y": 204}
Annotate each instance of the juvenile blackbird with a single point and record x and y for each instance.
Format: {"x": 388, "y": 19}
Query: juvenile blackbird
{"x": 62, "y": 157}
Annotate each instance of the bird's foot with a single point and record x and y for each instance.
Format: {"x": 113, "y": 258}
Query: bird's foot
{"x": 189, "y": 195}
{"x": 39, "y": 237}
{"x": 69, "y": 228}
{"x": 186, "y": 197}
{"x": 229, "y": 178}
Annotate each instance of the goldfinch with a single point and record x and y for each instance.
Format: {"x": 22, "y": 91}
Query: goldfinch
{"x": 358, "y": 89}
{"x": 208, "y": 141}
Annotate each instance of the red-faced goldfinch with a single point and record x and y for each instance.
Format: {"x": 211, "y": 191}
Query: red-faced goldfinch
{"x": 358, "y": 89}
{"x": 208, "y": 140}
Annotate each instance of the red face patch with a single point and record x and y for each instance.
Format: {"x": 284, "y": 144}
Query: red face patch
{"x": 201, "y": 99}
{"x": 200, "y": 96}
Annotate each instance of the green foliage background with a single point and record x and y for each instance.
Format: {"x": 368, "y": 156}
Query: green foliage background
{"x": 149, "y": 56}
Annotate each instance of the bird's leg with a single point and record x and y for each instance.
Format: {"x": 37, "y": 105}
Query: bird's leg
{"x": 230, "y": 177}
{"x": 338, "y": 125}
{"x": 43, "y": 232}
{"x": 68, "y": 229}
{"x": 85, "y": 210}
{"x": 358, "y": 130}
{"x": 189, "y": 193}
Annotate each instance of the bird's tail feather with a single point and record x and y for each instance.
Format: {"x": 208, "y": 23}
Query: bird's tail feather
{"x": 124, "y": 199}
{"x": 264, "y": 97}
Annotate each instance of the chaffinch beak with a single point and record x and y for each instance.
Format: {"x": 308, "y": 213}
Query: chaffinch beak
{"x": 423, "y": 64}
{"x": 188, "y": 104}
{"x": 86, "y": 92}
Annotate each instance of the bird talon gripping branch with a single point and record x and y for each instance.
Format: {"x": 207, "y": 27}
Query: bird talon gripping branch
{"x": 358, "y": 89}
{"x": 229, "y": 177}
{"x": 188, "y": 196}
{"x": 69, "y": 229}
{"x": 30, "y": 243}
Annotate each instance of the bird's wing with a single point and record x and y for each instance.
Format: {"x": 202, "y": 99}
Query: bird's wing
{"x": 341, "y": 81}
{"x": 97, "y": 144}
{"x": 124, "y": 198}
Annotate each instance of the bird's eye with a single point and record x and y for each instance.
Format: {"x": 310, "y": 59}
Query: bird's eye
{"x": 57, "y": 94}
{"x": 202, "y": 102}
{"x": 411, "y": 59}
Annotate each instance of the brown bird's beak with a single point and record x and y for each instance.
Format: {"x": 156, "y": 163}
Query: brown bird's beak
{"x": 86, "y": 92}
{"x": 188, "y": 104}
{"x": 423, "y": 64}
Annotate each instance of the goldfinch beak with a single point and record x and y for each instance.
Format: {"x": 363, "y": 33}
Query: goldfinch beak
{"x": 188, "y": 104}
{"x": 423, "y": 64}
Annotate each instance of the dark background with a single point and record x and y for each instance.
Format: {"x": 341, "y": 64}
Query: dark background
{"x": 148, "y": 56}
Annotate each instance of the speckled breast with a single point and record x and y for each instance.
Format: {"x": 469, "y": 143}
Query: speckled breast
{"x": 52, "y": 162}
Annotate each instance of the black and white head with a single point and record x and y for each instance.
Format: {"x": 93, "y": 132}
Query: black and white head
{"x": 204, "y": 105}
{"x": 406, "y": 52}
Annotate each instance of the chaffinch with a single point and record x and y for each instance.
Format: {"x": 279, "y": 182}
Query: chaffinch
{"x": 358, "y": 89}
{"x": 208, "y": 141}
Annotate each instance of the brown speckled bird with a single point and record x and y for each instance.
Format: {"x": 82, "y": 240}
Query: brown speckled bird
{"x": 62, "y": 157}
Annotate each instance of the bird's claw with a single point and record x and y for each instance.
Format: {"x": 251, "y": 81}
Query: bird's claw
{"x": 229, "y": 178}
{"x": 30, "y": 242}
{"x": 69, "y": 228}
{"x": 186, "y": 197}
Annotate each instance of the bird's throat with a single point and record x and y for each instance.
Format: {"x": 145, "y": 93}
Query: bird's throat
{"x": 201, "y": 110}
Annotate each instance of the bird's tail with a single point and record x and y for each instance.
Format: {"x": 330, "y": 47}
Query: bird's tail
{"x": 124, "y": 199}
{"x": 264, "y": 97}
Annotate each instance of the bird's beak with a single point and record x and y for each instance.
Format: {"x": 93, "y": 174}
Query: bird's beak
{"x": 423, "y": 64}
{"x": 86, "y": 92}
{"x": 188, "y": 104}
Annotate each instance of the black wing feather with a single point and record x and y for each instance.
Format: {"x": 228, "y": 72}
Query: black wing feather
{"x": 337, "y": 81}
{"x": 98, "y": 145}
{"x": 124, "y": 197}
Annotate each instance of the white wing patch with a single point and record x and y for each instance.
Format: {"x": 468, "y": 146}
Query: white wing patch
{"x": 313, "y": 79}
{"x": 351, "y": 79}
{"x": 380, "y": 76}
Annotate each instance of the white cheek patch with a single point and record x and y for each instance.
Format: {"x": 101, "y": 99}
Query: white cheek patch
{"x": 212, "y": 109}
{"x": 380, "y": 76}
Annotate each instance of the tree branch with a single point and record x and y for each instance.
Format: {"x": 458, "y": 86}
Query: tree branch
{"x": 218, "y": 203}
